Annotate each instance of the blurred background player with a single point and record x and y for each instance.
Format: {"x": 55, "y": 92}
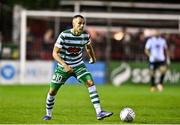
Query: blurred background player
{"x": 157, "y": 51}
{"x": 68, "y": 53}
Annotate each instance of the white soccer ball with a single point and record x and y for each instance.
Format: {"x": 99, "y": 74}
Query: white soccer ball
{"x": 127, "y": 115}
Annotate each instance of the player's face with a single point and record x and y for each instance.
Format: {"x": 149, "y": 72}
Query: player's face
{"x": 78, "y": 24}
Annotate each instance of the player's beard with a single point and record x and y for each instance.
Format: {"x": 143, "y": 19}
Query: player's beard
{"x": 80, "y": 29}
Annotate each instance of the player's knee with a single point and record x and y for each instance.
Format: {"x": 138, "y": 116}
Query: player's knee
{"x": 163, "y": 69}
{"x": 52, "y": 92}
{"x": 89, "y": 83}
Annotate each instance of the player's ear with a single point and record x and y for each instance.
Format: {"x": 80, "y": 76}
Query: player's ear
{"x": 73, "y": 22}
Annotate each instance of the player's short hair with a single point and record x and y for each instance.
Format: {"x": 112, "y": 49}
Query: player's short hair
{"x": 76, "y": 16}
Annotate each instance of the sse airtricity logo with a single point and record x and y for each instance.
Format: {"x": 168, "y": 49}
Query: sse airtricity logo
{"x": 7, "y": 72}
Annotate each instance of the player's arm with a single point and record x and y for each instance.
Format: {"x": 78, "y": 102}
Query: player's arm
{"x": 56, "y": 57}
{"x": 147, "y": 52}
{"x": 90, "y": 52}
{"x": 147, "y": 47}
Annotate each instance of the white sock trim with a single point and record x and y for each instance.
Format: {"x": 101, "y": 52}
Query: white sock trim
{"x": 50, "y": 97}
{"x": 92, "y": 88}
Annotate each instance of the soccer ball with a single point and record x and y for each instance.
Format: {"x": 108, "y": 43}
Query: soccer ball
{"x": 127, "y": 115}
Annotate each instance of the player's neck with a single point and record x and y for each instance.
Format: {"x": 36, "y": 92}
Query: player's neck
{"x": 76, "y": 33}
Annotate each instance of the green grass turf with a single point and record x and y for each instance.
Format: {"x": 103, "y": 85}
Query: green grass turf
{"x": 26, "y": 104}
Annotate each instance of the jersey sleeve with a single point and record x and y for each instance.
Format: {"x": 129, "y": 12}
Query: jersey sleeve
{"x": 147, "y": 46}
{"x": 88, "y": 39}
{"x": 59, "y": 41}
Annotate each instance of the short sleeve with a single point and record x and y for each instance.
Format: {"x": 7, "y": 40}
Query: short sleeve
{"x": 147, "y": 46}
{"x": 88, "y": 39}
{"x": 59, "y": 41}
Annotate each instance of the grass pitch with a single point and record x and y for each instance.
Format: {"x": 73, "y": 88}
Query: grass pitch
{"x": 26, "y": 104}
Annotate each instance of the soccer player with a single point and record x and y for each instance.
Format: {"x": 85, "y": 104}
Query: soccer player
{"x": 157, "y": 51}
{"x": 67, "y": 52}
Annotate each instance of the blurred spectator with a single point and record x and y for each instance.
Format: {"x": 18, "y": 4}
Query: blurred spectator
{"x": 98, "y": 39}
{"x": 171, "y": 39}
{"x": 30, "y": 43}
{"x": 126, "y": 44}
{"x": 47, "y": 44}
{"x": 139, "y": 43}
{"x": 176, "y": 53}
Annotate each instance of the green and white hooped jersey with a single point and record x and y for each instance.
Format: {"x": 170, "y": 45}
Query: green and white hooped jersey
{"x": 72, "y": 47}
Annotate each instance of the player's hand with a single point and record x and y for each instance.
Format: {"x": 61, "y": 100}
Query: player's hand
{"x": 68, "y": 69}
{"x": 91, "y": 61}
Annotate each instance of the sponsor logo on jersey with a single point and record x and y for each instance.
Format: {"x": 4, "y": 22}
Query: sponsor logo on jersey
{"x": 73, "y": 50}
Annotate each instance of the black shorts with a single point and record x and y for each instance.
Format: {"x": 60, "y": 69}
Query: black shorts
{"x": 156, "y": 65}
